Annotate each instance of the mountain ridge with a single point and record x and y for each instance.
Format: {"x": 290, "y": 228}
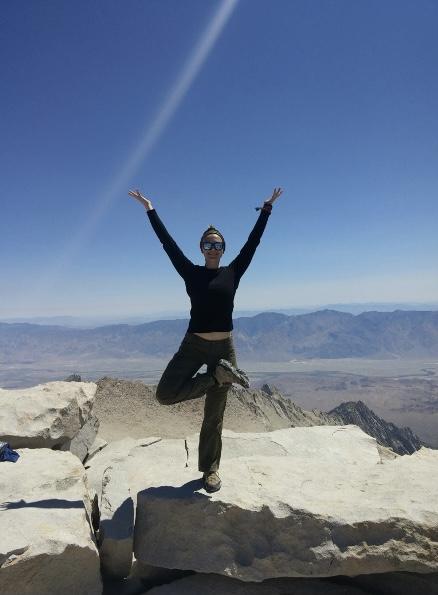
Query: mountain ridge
{"x": 127, "y": 408}
{"x": 269, "y": 337}
{"x": 92, "y": 321}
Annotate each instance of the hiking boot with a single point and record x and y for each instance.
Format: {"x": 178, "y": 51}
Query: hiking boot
{"x": 226, "y": 373}
{"x": 212, "y": 481}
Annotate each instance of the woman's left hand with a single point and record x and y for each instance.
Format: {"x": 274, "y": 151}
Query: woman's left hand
{"x": 275, "y": 195}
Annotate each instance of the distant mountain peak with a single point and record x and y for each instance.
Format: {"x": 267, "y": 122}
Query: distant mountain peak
{"x": 401, "y": 440}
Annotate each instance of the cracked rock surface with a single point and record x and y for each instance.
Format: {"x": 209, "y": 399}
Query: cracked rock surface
{"x": 47, "y": 546}
{"x": 298, "y": 502}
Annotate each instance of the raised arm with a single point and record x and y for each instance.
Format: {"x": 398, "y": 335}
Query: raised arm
{"x": 181, "y": 263}
{"x": 243, "y": 259}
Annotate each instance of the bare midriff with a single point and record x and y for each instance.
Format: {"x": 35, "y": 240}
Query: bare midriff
{"x": 214, "y": 335}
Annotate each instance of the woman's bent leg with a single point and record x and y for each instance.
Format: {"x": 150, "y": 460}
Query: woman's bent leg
{"x": 177, "y": 383}
{"x": 210, "y": 439}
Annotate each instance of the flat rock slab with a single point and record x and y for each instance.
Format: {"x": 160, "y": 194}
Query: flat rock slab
{"x": 45, "y": 415}
{"x": 46, "y": 546}
{"x": 299, "y": 502}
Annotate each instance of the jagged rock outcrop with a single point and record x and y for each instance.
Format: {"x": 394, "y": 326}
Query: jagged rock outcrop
{"x": 52, "y": 415}
{"x": 401, "y": 440}
{"x": 129, "y": 409}
{"x": 47, "y": 546}
{"x": 248, "y": 410}
{"x": 73, "y": 378}
{"x": 276, "y": 412}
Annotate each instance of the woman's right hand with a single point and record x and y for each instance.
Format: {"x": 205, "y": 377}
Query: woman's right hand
{"x": 141, "y": 199}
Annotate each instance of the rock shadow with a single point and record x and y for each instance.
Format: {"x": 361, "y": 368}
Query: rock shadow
{"x": 49, "y": 503}
{"x": 186, "y": 491}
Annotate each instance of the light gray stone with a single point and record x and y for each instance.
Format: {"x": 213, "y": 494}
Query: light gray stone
{"x": 113, "y": 455}
{"x": 97, "y": 446}
{"x": 84, "y": 439}
{"x": 298, "y": 502}
{"x": 46, "y": 415}
{"x": 47, "y": 546}
{"x": 116, "y": 528}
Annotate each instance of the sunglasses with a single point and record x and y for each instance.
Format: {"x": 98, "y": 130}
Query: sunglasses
{"x": 210, "y": 245}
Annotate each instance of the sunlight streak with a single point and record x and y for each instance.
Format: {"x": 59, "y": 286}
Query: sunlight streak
{"x": 149, "y": 138}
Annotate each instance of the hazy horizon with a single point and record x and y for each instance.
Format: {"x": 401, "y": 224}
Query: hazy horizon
{"x": 90, "y": 319}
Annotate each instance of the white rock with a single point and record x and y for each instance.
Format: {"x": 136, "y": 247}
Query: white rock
{"x": 298, "y": 502}
{"x": 45, "y": 415}
{"x": 47, "y": 546}
{"x": 113, "y": 455}
{"x": 109, "y": 480}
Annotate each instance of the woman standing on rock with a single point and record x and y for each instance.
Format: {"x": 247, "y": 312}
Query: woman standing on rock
{"x": 208, "y": 339}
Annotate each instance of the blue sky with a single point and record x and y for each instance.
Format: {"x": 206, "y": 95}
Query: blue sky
{"x": 206, "y": 106}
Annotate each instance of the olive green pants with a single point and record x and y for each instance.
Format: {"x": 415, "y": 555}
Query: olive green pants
{"x": 178, "y": 384}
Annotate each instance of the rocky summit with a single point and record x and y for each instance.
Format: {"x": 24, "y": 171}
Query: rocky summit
{"x": 128, "y": 408}
{"x": 400, "y": 440}
{"x": 309, "y": 504}
{"x": 299, "y": 502}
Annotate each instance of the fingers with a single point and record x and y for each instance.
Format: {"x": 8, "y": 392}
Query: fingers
{"x": 137, "y": 194}
{"x": 275, "y": 194}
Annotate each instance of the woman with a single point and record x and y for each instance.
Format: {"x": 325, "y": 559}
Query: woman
{"x": 208, "y": 339}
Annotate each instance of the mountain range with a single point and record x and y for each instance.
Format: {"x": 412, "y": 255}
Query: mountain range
{"x": 92, "y": 321}
{"x": 268, "y": 337}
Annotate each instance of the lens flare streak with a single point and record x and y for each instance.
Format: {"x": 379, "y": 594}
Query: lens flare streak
{"x": 149, "y": 139}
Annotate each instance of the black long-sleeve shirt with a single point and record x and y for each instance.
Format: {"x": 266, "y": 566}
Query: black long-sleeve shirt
{"x": 211, "y": 291}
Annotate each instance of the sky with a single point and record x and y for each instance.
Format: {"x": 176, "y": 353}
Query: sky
{"x": 206, "y": 106}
